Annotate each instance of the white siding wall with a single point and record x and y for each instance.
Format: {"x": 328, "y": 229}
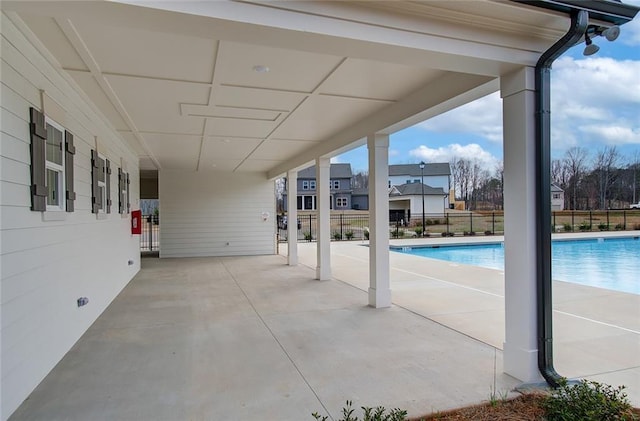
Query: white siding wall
{"x": 47, "y": 265}
{"x": 432, "y": 204}
{"x": 215, "y": 214}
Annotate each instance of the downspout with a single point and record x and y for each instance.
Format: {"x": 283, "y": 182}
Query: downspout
{"x": 579, "y": 21}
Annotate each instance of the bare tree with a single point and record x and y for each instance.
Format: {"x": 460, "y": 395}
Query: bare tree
{"x": 360, "y": 180}
{"x": 575, "y": 160}
{"x": 461, "y": 171}
{"x": 605, "y": 165}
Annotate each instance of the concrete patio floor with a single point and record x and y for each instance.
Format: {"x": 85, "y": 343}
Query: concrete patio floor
{"x": 240, "y": 338}
{"x": 596, "y": 331}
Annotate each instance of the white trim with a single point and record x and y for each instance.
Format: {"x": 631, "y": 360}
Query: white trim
{"x": 53, "y": 166}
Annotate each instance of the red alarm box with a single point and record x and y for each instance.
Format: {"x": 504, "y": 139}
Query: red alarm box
{"x": 136, "y": 222}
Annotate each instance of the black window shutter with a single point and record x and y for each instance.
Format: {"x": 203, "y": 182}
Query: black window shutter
{"x": 128, "y": 196}
{"x": 96, "y": 198}
{"x": 70, "y": 151}
{"x": 108, "y": 185}
{"x": 38, "y": 165}
{"x": 120, "y": 194}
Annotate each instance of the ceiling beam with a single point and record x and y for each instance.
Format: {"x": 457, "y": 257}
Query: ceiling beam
{"x": 430, "y": 96}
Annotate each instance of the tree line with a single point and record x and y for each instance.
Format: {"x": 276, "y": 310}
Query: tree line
{"x": 603, "y": 180}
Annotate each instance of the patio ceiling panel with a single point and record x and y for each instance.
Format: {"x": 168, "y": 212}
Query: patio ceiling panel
{"x": 178, "y": 78}
{"x": 225, "y": 153}
{"x": 154, "y": 104}
{"x": 166, "y": 147}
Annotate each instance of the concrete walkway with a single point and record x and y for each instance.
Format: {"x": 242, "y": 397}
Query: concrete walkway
{"x": 251, "y": 338}
{"x": 596, "y": 331}
{"x": 242, "y": 338}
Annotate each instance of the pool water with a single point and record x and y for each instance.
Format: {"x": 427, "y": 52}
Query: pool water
{"x": 611, "y": 263}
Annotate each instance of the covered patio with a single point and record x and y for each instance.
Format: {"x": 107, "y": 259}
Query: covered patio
{"x": 220, "y": 99}
{"x": 250, "y": 337}
{"x": 240, "y": 338}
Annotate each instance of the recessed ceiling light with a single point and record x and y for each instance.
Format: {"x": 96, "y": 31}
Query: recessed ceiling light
{"x": 226, "y": 141}
{"x": 214, "y": 165}
{"x": 260, "y": 68}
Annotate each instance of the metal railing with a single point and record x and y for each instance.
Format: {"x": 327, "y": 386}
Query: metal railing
{"x": 150, "y": 237}
{"x": 355, "y": 227}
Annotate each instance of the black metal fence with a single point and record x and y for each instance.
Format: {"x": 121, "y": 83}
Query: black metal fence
{"x": 150, "y": 237}
{"x": 356, "y": 227}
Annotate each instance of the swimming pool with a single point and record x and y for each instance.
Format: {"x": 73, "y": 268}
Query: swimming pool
{"x": 611, "y": 263}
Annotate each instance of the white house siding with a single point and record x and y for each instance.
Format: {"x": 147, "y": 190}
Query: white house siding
{"x": 47, "y": 265}
{"x": 432, "y": 205}
{"x": 216, "y": 214}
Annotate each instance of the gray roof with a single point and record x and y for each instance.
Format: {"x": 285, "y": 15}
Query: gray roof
{"x": 437, "y": 168}
{"x": 335, "y": 171}
{"x": 413, "y": 189}
{"x": 555, "y": 188}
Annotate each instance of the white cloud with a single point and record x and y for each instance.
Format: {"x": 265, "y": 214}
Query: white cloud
{"x": 471, "y": 152}
{"x": 335, "y": 159}
{"x": 612, "y": 134}
{"x": 594, "y": 101}
{"x": 630, "y": 33}
{"x": 482, "y": 117}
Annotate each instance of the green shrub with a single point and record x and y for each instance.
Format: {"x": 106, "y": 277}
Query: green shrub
{"x": 587, "y": 400}
{"x": 349, "y": 235}
{"x": 636, "y": 227}
{"x": 396, "y": 233}
{"x": 369, "y": 414}
{"x": 568, "y": 227}
{"x": 307, "y": 236}
{"x": 418, "y": 231}
{"x": 603, "y": 227}
{"x": 337, "y": 236}
{"x": 488, "y": 232}
{"x": 619, "y": 227}
{"x": 585, "y": 226}
{"x": 366, "y": 234}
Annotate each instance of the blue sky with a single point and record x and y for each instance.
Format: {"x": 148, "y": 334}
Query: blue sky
{"x": 595, "y": 103}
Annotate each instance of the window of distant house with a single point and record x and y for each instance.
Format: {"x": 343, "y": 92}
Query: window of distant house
{"x": 341, "y": 202}
{"x": 335, "y": 184}
{"x": 312, "y": 184}
{"x": 305, "y": 184}
{"x": 389, "y": 184}
{"x": 556, "y": 195}
{"x": 54, "y": 164}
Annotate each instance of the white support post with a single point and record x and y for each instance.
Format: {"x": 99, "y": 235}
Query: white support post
{"x": 518, "y": 109}
{"x": 379, "y": 290}
{"x": 323, "y": 234}
{"x": 292, "y": 217}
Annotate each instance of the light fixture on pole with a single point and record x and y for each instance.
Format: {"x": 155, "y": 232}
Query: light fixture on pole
{"x": 611, "y": 34}
{"x": 422, "y": 164}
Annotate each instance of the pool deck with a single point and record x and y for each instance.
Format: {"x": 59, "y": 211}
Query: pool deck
{"x": 240, "y": 338}
{"x": 596, "y": 331}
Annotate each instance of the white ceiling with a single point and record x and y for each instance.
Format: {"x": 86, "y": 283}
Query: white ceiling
{"x": 182, "y": 88}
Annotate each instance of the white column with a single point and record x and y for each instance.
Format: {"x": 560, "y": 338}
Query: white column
{"x": 323, "y": 235}
{"x": 292, "y": 217}
{"x": 518, "y": 110}
{"x": 379, "y": 291}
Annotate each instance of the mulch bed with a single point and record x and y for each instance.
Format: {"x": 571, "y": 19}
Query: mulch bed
{"x": 527, "y": 407}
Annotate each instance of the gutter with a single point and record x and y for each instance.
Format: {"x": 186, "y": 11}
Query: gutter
{"x": 579, "y": 23}
{"x": 611, "y": 11}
